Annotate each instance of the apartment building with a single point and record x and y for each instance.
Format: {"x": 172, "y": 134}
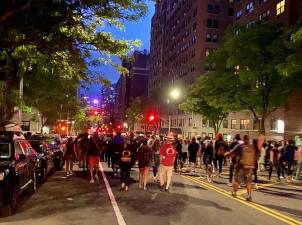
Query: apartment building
{"x": 185, "y": 32}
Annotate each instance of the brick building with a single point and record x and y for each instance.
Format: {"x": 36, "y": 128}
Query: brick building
{"x": 134, "y": 84}
{"x": 185, "y": 32}
{"x": 287, "y": 13}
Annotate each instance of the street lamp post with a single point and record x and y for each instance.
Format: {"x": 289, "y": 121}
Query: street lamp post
{"x": 175, "y": 94}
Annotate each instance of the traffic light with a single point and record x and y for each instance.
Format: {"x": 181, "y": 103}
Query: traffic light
{"x": 95, "y": 112}
{"x": 152, "y": 117}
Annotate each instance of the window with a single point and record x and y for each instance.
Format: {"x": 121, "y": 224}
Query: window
{"x": 212, "y": 23}
{"x": 238, "y": 15}
{"x": 203, "y": 134}
{"x": 231, "y": 11}
{"x": 216, "y": 9}
{"x": 274, "y": 124}
{"x": 210, "y": 8}
{"x": 215, "y": 23}
{"x": 233, "y": 124}
{"x": 204, "y": 123}
{"x": 208, "y": 38}
{"x": 215, "y": 38}
{"x": 18, "y": 148}
{"x": 25, "y": 125}
{"x": 225, "y": 124}
{"x": 280, "y": 7}
{"x": 249, "y": 7}
{"x": 211, "y": 135}
{"x": 244, "y": 124}
{"x": 262, "y": 1}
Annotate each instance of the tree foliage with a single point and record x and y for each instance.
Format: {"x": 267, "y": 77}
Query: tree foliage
{"x": 250, "y": 73}
{"x": 196, "y": 102}
{"x": 51, "y": 43}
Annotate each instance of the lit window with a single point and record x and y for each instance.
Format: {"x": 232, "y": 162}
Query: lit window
{"x": 249, "y": 7}
{"x": 238, "y": 15}
{"x": 280, "y": 7}
{"x": 244, "y": 124}
{"x": 233, "y": 124}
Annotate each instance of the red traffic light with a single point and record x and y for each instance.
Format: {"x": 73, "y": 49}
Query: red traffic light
{"x": 151, "y": 118}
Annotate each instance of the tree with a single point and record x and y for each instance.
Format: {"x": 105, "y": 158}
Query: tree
{"x": 247, "y": 74}
{"x": 135, "y": 112}
{"x": 196, "y": 102}
{"x": 60, "y": 30}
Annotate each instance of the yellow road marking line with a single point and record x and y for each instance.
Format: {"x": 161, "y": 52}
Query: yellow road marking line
{"x": 259, "y": 187}
{"x": 270, "y": 212}
{"x": 285, "y": 183}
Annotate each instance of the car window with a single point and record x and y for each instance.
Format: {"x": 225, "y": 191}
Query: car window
{"x": 18, "y": 148}
{"x": 5, "y": 149}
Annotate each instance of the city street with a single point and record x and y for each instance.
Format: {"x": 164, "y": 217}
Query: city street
{"x": 191, "y": 201}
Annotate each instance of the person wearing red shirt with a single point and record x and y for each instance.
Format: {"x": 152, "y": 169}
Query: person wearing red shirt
{"x": 167, "y": 158}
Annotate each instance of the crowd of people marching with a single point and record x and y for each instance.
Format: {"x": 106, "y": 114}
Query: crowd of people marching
{"x": 164, "y": 154}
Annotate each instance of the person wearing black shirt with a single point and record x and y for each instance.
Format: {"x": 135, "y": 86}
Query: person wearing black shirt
{"x": 193, "y": 148}
{"x": 94, "y": 151}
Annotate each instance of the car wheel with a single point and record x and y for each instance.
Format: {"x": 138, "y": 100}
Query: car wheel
{"x": 10, "y": 208}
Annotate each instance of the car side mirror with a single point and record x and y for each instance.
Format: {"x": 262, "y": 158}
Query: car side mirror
{"x": 22, "y": 157}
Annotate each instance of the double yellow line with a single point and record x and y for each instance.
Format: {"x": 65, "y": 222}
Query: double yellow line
{"x": 265, "y": 210}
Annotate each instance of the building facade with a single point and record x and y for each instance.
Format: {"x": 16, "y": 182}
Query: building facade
{"x": 133, "y": 84}
{"x": 287, "y": 13}
{"x": 184, "y": 33}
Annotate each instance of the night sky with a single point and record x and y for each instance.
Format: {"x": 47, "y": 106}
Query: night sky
{"x": 135, "y": 30}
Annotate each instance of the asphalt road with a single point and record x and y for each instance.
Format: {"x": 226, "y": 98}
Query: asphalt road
{"x": 191, "y": 201}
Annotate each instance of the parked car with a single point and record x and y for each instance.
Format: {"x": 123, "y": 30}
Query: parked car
{"x": 45, "y": 159}
{"x": 17, "y": 167}
{"x": 55, "y": 145}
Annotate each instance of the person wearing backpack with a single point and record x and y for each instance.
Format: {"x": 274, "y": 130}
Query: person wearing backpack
{"x": 245, "y": 164}
{"x": 126, "y": 162}
{"x": 220, "y": 148}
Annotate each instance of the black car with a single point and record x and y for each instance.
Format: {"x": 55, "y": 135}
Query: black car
{"x": 45, "y": 158}
{"x": 54, "y": 144}
{"x": 17, "y": 167}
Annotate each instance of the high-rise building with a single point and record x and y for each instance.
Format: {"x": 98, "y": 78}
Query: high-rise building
{"x": 286, "y": 13}
{"x": 248, "y": 12}
{"x": 183, "y": 34}
{"x": 133, "y": 84}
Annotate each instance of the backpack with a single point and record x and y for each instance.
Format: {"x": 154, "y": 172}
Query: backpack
{"x": 248, "y": 157}
{"x": 126, "y": 156}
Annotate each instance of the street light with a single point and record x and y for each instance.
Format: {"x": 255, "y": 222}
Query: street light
{"x": 95, "y": 101}
{"x": 175, "y": 93}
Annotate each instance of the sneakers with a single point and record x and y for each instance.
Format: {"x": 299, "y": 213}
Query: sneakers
{"x": 92, "y": 181}
{"x": 234, "y": 194}
{"x": 126, "y": 188}
{"x": 230, "y": 184}
{"x": 249, "y": 198}
{"x": 167, "y": 190}
{"x": 123, "y": 185}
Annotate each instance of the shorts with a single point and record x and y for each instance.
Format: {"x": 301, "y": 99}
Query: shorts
{"x": 94, "y": 161}
{"x": 243, "y": 175}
